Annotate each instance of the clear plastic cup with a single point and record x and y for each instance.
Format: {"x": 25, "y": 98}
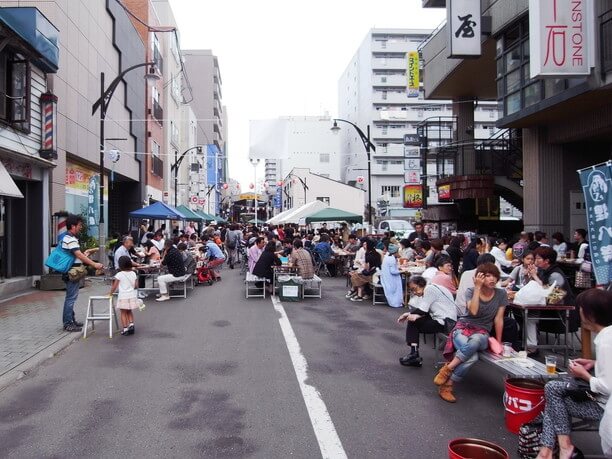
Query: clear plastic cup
{"x": 551, "y": 364}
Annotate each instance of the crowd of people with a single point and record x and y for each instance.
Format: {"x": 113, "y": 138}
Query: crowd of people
{"x": 462, "y": 290}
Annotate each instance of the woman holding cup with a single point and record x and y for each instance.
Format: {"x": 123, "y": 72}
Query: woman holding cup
{"x": 566, "y": 399}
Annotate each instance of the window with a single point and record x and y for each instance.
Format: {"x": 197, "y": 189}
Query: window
{"x": 324, "y": 157}
{"x": 15, "y": 91}
{"x": 155, "y": 148}
{"x": 324, "y": 199}
{"x": 393, "y": 191}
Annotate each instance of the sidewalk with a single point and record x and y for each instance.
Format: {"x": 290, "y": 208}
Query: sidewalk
{"x": 31, "y": 323}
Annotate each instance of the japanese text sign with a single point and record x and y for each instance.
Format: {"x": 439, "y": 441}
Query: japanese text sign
{"x": 413, "y": 74}
{"x": 413, "y": 196}
{"x": 597, "y": 186}
{"x": 561, "y": 37}
{"x": 464, "y": 28}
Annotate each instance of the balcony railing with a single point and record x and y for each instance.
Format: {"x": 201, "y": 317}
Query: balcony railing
{"x": 158, "y": 112}
{"x": 157, "y": 167}
{"x": 605, "y": 42}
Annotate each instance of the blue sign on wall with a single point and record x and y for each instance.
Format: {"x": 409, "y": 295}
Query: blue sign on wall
{"x": 597, "y": 186}
{"x": 278, "y": 198}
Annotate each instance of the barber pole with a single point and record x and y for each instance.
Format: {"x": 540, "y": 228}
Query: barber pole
{"x": 48, "y": 103}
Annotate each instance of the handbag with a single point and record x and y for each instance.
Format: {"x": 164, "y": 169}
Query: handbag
{"x": 495, "y": 346}
{"x": 580, "y": 392}
{"x": 583, "y": 280}
{"x": 529, "y": 439}
{"x": 60, "y": 260}
{"x": 76, "y": 273}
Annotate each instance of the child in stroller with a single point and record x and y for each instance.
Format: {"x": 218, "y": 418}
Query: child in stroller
{"x": 203, "y": 271}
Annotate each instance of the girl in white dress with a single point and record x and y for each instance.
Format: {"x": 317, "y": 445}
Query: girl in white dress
{"x": 125, "y": 282}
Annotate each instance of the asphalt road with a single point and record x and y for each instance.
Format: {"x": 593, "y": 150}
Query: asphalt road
{"x": 211, "y": 376}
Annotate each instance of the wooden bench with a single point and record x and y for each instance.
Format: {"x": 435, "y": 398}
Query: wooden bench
{"x": 250, "y": 282}
{"x": 184, "y": 282}
{"x": 314, "y": 286}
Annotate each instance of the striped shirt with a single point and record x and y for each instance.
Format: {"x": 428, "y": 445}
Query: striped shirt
{"x": 71, "y": 244}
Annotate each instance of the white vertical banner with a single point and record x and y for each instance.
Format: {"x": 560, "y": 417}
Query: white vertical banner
{"x": 561, "y": 38}
{"x": 464, "y": 28}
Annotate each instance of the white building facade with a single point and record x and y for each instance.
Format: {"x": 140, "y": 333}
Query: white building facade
{"x": 296, "y": 142}
{"x": 373, "y": 92}
{"x": 301, "y": 185}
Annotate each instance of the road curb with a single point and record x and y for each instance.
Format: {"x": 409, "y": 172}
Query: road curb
{"x": 32, "y": 363}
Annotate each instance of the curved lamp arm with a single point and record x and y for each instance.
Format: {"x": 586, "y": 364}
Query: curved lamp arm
{"x": 102, "y": 101}
{"x": 364, "y": 138}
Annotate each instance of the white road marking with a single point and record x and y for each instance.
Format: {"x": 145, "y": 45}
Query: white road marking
{"x": 329, "y": 442}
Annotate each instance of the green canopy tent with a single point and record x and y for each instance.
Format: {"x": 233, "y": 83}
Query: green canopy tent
{"x": 333, "y": 215}
{"x": 189, "y": 214}
{"x": 206, "y": 217}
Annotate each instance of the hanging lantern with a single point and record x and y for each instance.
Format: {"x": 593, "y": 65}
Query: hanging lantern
{"x": 279, "y": 183}
{"x": 251, "y": 186}
{"x": 360, "y": 179}
{"x": 266, "y": 184}
{"x": 225, "y": 186}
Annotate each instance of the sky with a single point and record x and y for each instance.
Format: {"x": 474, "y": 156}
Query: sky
{"x": 283, "y": 57}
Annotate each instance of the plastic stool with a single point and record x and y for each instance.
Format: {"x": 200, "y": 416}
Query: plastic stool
{"x": 92, "y": 316}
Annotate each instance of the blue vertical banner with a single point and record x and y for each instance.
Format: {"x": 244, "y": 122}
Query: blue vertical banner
{"x": 597, "y": 186}
{"x": 211, "y": 164}
{"x": 278, "y": 197}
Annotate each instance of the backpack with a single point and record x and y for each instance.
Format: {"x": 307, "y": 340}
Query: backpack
{"x": 231, "y": 239}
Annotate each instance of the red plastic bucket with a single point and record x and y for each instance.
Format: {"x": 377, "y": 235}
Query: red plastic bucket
{"x": 472, "y": 448}
{"x": 523, "y": 401}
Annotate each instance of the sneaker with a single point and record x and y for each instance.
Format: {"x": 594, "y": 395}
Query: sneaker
{"x": 131, "y": 330}
{"x": 125, "y": 331}
{"x": 356, "y": 298}
{"x": 367, "y": 297}
{"x": 77, "y": 323}
{"x": 163, "y": 298}
{"x": 443, "y": 376}
{"x": 142, "y": 295}
{"x": 412, "y": 360}
{"x": 445, "y": 392}
{"x": 350, "y": 294}
{"x": 72, "y": 328}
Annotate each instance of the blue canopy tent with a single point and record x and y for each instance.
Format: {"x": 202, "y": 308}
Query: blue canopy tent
{"x": 158, "y": 211}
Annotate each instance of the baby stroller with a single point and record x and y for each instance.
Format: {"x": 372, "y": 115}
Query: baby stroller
{"x": 203, "y": 273}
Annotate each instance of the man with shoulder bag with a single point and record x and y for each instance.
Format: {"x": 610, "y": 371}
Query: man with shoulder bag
{"x": 72, "y": 278}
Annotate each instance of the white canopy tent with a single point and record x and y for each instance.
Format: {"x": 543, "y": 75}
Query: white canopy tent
{"x": 300, "y": 212}
{"x": 278, "y": 217}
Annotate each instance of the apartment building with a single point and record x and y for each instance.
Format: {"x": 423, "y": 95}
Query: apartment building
{"x": 205, "y": 85}
{"x": 373, "y": 94}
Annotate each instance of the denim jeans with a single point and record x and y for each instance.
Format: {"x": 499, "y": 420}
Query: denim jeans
{"x": 72, "y": 293}
{"x": 467, "y": 351}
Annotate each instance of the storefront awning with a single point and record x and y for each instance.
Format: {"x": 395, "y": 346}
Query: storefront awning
{"x": 7, "y": 185}
{"x": 36, "y": 31}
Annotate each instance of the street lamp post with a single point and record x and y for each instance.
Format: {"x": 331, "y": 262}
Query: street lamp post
{"x": 369, "y": 146}
{"x": 175, "y": 167}
{"x": 255, "y": 162}
{"x": 106, "y": 95}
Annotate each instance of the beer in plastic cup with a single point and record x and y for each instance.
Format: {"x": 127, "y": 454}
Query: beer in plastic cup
{"x": 551, "y": 364}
